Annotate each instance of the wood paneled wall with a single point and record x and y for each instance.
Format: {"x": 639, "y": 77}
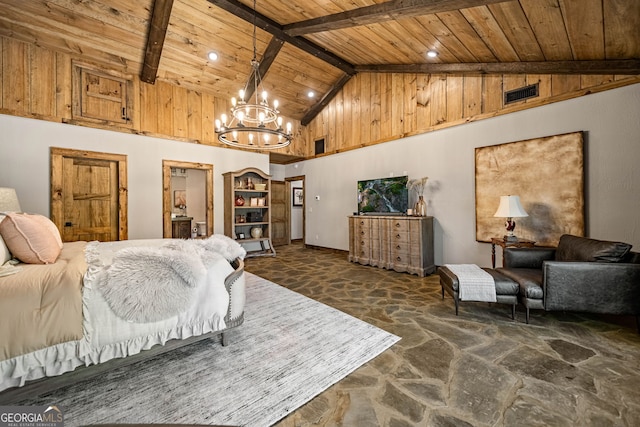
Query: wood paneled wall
{"x": 372, "y": 108}
{"x": 375, "y": 108}
{"x": 37, "y": 82}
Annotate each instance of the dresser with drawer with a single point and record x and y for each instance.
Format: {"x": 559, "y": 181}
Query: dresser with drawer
{"x": 400, "y": 243}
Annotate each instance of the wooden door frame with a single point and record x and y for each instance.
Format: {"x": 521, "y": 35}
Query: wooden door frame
{"x": 304, "y": 204}
{"x": 57, "y": 209}
{"x": 166, "y": 193}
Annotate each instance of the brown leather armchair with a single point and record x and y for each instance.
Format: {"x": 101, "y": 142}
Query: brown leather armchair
{"x": 581, "y": 274}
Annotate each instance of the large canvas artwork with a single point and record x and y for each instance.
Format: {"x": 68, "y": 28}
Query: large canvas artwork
{"x": 548, "y": 175}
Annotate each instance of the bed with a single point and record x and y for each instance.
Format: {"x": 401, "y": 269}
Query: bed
{"x": 102, "y": 301}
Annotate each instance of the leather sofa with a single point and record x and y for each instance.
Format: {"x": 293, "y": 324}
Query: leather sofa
{"x": 581, "y": 274}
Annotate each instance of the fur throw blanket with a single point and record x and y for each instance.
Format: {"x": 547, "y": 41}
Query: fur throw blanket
{"x": 148, "y": 284}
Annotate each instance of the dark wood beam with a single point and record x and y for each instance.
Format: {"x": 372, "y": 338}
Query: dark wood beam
{"x": 317, "y": 108}
{"x": 155, "y": 40}
{"x": 623, "y": 66}
{"x": 247, "y": 14}
{"x": 395, "y": 9}
{"x": 267, "y": 59}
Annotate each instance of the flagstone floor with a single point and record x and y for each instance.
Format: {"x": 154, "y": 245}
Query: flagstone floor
{"x": 477, "y": 369}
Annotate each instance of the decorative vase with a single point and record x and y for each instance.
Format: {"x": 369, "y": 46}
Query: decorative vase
{"x": 256, "y": 232}
{"x": 239, "y": 200}
{"x": 421, "y": 207}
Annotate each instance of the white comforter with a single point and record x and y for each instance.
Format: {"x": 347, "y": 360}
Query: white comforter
{"x": 108, "y": 336}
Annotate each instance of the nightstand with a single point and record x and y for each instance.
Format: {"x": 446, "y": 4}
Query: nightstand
{"x": 181, "y": 227}
{"x": 500, "y": 241}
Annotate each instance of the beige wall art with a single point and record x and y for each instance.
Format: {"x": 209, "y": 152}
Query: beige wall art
{"x": 548, "y": 175}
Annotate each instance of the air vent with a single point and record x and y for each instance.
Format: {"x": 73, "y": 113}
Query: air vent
{"x": 516, "y": 95}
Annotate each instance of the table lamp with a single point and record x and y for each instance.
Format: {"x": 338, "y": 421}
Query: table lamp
{"x": 510, "y": 208}
{"x": 9, "y": 200}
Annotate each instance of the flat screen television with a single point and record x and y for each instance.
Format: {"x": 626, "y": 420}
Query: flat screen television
{"x": 383, "y": 196}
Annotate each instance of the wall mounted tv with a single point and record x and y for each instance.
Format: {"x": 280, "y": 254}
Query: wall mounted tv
{"x": 383, "y": 196}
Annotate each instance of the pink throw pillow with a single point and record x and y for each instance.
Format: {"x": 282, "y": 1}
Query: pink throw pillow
{"x": 31, "y": 238}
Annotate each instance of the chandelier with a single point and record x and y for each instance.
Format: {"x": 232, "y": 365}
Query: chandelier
{"x": 253, "y": 123}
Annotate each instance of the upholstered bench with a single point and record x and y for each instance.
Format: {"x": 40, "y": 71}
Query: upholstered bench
{"x": 506, "y": 289}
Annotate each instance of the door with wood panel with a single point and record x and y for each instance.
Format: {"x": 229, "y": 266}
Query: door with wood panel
{"x": 86, "y": 199}
{"x": 279, "y": 214}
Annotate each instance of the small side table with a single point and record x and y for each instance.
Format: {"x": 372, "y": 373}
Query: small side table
{"x": 520, "y": 243}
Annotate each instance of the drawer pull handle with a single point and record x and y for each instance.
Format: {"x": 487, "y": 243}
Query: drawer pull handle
{"x": 362, "y": 232}
{"x": 361, "y": 222}
{"x": 397, "y": 224}
{"x": 398, "y": 247}
{"x": 397, "y": 236}
{"x": 398, "y": 259}
{"x": 362, "y": 243}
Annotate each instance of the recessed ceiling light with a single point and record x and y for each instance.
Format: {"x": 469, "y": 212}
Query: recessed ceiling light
{"x": 311, "y": 94}
{"x": 212, "y": 56}
{"x": 432, "y": 54}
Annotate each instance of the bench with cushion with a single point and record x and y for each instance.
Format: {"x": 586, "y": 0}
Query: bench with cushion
{"x": 506, "y": 289}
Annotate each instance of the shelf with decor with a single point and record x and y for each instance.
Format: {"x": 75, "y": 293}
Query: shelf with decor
{"x": 247, "y": 214}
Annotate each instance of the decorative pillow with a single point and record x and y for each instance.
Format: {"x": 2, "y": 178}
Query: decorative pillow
{"x": 5, "y": 255}
{"x": 574, "y": 248}
{"x": 31, "y": 238}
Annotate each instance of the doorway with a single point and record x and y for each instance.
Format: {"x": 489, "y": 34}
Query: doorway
{"x": 89, "y": 195}
{"x": 296, "y": 207}
{"x": 201, "y": 194}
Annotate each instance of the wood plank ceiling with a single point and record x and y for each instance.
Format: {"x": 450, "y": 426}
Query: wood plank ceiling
{"x": 317, "y": 45}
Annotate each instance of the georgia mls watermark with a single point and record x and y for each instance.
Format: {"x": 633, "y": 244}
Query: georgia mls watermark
{"x": 31, "y": 416}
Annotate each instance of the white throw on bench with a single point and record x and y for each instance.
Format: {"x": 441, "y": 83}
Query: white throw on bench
{"x": 475, "y": 284}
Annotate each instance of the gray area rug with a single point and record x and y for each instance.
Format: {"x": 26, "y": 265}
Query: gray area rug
{"x": 289, "y": 349}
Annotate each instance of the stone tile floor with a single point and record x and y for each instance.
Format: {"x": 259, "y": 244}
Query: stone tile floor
{"x": 478, "y": 369}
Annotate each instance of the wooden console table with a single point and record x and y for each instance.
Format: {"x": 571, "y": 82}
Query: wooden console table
{"x": 520, "y": 243}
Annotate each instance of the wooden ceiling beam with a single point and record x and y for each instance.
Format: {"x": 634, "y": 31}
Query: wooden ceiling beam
{"x": 319, "y": 106}
{"x": 395, "y": 9}
{"x": 247, "y": 14}
{"x": 267, "y": 59}
{"x": 624, "y": 67}
{"x": 155, "y": 41}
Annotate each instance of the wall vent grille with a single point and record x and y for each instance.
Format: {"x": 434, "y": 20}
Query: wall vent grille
{"x": 526, "y": 92}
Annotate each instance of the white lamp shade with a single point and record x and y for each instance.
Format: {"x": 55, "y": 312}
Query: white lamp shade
{"x": 510, "y": 207}
{"x": 9, "y": 200}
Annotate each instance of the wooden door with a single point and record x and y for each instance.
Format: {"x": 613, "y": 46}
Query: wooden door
{"x": 86, "y": 199}
{"x": 279, "y": 214}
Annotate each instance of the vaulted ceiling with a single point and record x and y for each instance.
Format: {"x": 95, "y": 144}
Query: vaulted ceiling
{"x": 318, "y": 45}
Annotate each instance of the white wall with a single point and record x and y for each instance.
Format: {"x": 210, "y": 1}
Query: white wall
{"x": 24, "y": 165}
{"x": 610, "y": 120}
